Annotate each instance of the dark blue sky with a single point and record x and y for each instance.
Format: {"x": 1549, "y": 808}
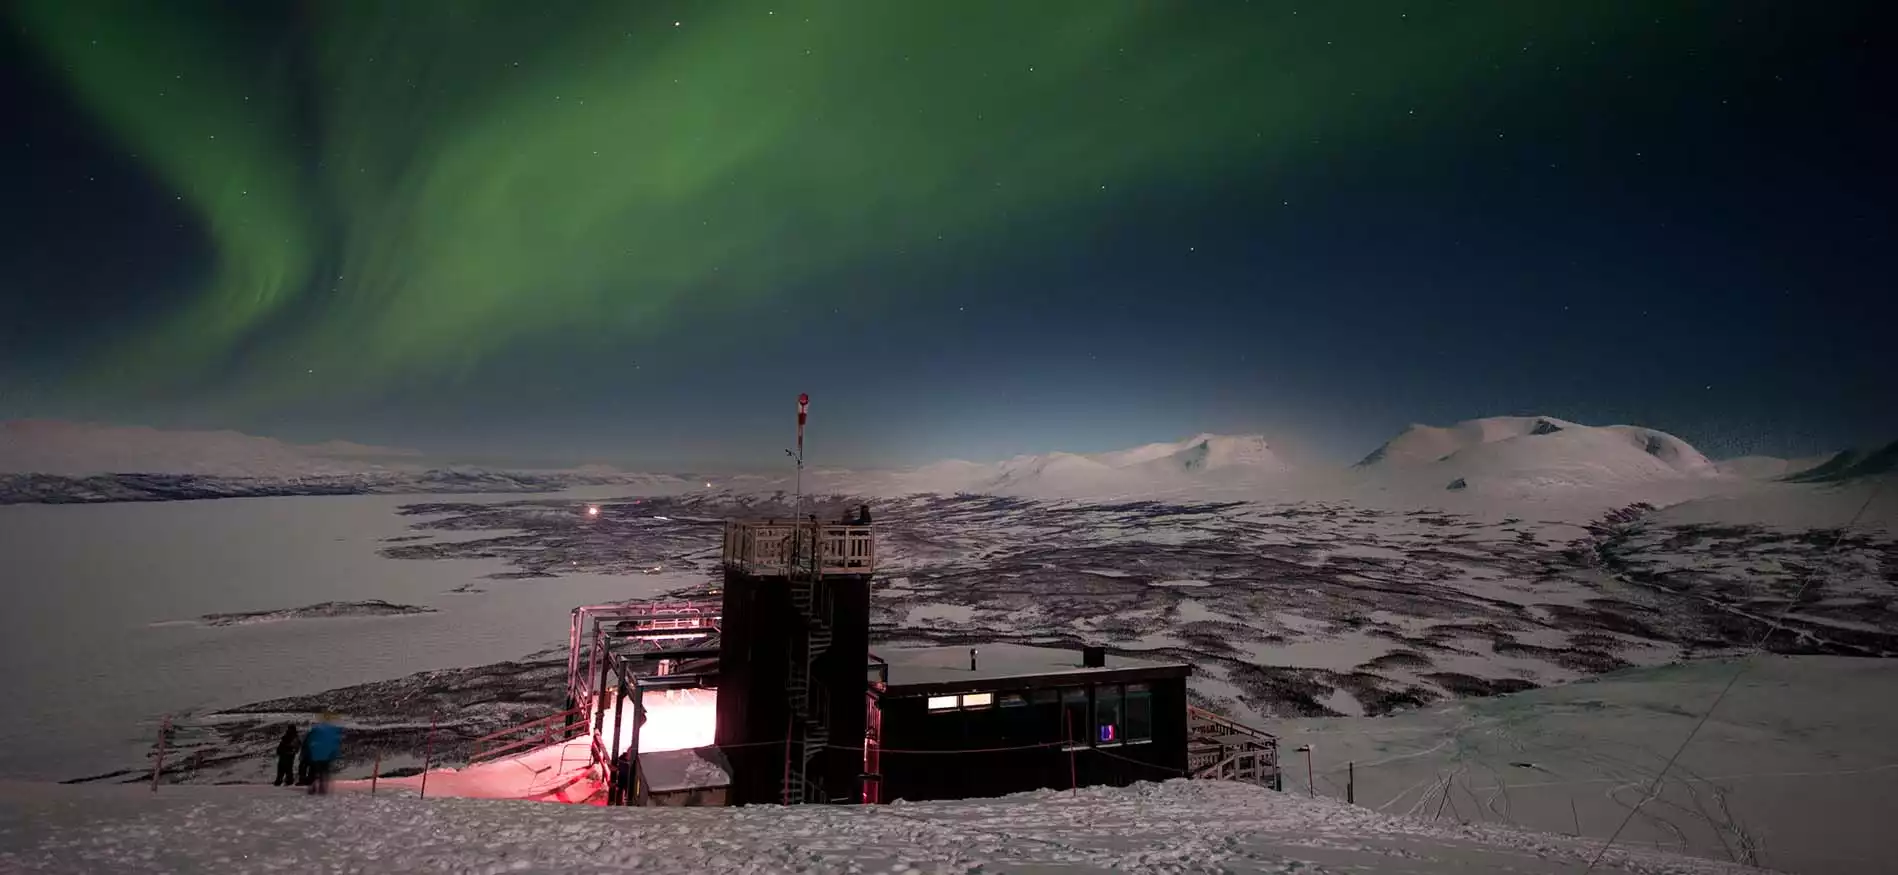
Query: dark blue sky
{"x": 1690, "y": 228}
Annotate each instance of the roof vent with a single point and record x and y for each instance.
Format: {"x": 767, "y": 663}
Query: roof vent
{"x": 1093, "y": 657}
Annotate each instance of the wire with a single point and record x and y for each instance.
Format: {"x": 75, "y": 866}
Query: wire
{"x": 1154, "y": 766}
{"x": 1655, "y": 787}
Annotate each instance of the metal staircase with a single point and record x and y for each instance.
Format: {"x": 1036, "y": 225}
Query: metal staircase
{"x": 809, "y": 701}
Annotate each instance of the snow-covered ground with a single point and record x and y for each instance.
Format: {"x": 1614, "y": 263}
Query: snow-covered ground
{"x": 1796, "y": 770}
{"x": 1176, "y": 827}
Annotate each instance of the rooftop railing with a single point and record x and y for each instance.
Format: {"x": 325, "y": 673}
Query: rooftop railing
{"x": 772, "y": 548}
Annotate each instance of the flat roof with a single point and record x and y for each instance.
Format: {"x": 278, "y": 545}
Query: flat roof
{"x": 669, "y": 771}
{"x": 935, "y": 665}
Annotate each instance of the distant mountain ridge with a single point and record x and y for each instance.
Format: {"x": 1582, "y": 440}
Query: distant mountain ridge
{"x": 83, "y": 449}
{"x": 1850, "y": 465}
{"x": 1199, "y": 460}
{"x": 55, "y": 462}
{"x": 1535, "y": 452}
{"x": 51, "y": 462}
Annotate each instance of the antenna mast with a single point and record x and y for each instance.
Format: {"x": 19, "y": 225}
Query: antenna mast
{"x": 797, "y": 494}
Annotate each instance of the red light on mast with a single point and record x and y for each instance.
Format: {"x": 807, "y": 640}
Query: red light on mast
{"x": 803, "y": 411}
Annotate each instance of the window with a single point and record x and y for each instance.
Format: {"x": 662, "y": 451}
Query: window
{"x": 1014, "y": 700}
{"x": 1107, "y": 711}
{"x": 1074, "y": 722}
{"x": 1137, "y": 722}
{"x": 942, "y": 703}
{"x": 978, "y": 700}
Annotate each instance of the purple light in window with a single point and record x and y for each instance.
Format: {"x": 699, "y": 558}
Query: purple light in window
{"x": 1107, "y": 732}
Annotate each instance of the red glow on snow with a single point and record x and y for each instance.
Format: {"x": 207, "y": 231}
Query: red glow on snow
{"x": 675, "y": 720}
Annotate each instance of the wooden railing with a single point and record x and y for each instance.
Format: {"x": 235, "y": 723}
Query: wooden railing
{"x": 1201, "y": 723}
{"x": 552, "y": 729}
{"x": 1220, "y": 748}
{"x": 1256, "y": 766}
{"x": 773, "y": 548}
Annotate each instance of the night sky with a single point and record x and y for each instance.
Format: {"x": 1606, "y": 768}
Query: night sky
{"x": 633, "y": 232}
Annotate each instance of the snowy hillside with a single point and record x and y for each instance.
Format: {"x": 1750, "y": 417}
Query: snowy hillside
{"x": 1176, "y": 827}
{"x": 1766, "y": 467}
{"x": 1791, "y": 731}
{"x": 1511, "y": 453}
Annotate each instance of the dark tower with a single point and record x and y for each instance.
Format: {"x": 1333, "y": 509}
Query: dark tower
{"x": 793, "y": 660}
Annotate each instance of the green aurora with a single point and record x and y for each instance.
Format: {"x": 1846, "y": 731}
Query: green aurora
{"x": 397, "y": 192}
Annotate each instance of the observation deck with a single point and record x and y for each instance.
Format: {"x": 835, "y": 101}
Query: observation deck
{"x": 781, "y": 548}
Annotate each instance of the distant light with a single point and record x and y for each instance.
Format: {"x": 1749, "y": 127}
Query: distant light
{"x": 708, "y": 485}
{"x": 593, "y": 510}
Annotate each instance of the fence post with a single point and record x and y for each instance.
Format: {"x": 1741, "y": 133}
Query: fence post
{"x": 375, "y": 773}
{"x": 158, "y": 766}
{"x": 428, "y": 753}
{"x": 1074, "y": 777}
{"x": 1351, "y": 782}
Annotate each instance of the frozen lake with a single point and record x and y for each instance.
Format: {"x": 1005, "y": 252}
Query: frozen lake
{"x": 93, "y": 661}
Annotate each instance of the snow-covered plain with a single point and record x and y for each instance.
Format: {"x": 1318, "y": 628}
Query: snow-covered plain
{"x": 103, "y": 632}
{"x": 1175, "y": 827}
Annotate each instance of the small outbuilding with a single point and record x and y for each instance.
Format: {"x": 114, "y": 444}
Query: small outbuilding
{"x": 959, "y": 722}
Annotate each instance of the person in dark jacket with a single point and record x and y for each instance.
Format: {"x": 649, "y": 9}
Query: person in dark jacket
{"x": 324, "y": 741}
{"x": 303, "y": 762}
{"x": 287, "y": 748}
{"x": 863, "y": 514}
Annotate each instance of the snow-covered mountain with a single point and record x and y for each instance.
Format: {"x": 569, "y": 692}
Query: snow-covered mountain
{"x": 1202, "y": 460}
{"x": 1517, "y": 452}
{"x": 1844, "y": 465}
{"x": 1849, "y": 465}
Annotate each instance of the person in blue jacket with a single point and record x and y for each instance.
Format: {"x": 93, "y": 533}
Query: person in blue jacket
{"x": 322, "y": 743}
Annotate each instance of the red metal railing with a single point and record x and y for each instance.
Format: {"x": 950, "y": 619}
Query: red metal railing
{"x": 552, "y": 729}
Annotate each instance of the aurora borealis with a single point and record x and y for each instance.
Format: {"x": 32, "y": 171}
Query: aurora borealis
{"x": 597, "y": 213}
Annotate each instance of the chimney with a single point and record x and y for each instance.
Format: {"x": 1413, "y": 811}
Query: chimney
{"x": 1093, "y": 657}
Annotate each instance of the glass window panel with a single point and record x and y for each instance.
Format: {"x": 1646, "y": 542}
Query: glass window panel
{"x": 942, "y": 703}
{"x": 1138, "y": 721}
{"x": 1107, "y": 713}
{"x": 1074, "y": 717}
{"x": 978, "y": 700}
